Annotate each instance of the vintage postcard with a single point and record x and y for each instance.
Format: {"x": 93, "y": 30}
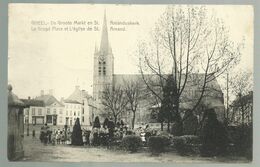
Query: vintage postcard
{"x": 130, "y": 83}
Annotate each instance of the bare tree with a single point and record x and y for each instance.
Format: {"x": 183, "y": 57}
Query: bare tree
{"x": 115, "y": 101}
{"x": 133, "y": 95}
{"x": 184, "y": 42}
{"x": 241, "y": 85}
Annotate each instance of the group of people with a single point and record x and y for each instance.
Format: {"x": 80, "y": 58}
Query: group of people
{"x": 54, "y": 136}
{"x": 95, "y": 136}
{"x": 103, "y": 135}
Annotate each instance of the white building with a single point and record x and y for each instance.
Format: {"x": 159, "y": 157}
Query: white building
{"x": 79, "y": 105}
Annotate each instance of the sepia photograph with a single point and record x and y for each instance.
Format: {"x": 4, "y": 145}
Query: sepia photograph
{"x": 169, "y": 83}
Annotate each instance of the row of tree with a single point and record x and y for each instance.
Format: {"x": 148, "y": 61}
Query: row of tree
{"x": 119, "y": 100}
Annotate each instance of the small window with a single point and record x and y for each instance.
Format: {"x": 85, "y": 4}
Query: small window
{"x": 48, "y": 111}
{"x": 82, "y": 119}
{"x": 54, "y": 111}
{"x": 104, "y": 70}
{"x": 39, "y": 111}
{"x": 104, "y": 63}
{"x": 33, "y": 111}
{"x": 99, "y": 70}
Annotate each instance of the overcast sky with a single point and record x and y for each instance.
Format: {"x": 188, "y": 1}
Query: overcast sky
{"x": 60, "y": 60}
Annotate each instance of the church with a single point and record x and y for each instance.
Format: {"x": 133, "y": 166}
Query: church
{"x": 104, "y": 76}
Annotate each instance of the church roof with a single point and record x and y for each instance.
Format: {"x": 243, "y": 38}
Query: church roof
{"x": 194, "y": 80}
{"x": 213, "y": 90}
{"x": 104, "y": 45}
{"x": 71, "y": 101}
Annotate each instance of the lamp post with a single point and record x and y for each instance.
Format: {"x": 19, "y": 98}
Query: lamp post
{"x": 27, "y": 128}
{"x": 27, "y": 119}
{"x": 66, "y": 127}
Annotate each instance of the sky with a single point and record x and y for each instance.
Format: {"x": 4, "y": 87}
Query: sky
{"x": 59, "y": 59}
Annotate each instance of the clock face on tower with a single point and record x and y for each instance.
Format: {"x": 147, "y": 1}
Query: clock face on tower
{"x": 101, "y": 58}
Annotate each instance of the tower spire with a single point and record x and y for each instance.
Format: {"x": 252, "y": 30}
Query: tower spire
{"x": 104, "y": 46}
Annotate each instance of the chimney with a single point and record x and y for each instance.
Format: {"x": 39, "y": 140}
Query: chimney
{"x": 51, "y": 92}
{"x": 42, "y": 92}
{"x": 29, "y": 98}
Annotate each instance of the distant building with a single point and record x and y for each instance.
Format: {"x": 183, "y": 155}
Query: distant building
{"x": 54, "y": 110}
{"x": 35, "y": 113}
{"x": 44, "y": 109}
{"x": 47, "y": 109}
{"x": 79, "y": 105}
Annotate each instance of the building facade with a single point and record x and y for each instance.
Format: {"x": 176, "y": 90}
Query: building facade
{"x": 35, "y": 113}
{"x": 47, "y": 109}
{"x": 79, "y": 105}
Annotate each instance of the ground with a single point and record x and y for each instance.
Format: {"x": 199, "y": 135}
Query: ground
{"x": 36, "y": 151}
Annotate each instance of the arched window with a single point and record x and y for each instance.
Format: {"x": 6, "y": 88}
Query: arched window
{"x": 104, "y": 70}
{"x": 99, "y": 70}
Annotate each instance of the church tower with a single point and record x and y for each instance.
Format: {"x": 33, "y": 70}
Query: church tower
{"x": 103, "y": 68}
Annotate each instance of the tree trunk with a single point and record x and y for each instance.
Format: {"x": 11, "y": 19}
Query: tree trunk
{"x": 115, "y": 117}
{"x": 178, "y": 120}
{"x": 168, "y": 125}
{"x": 162, "y": 126}
{"x": 133, "y": 120}
{"x": 179, "y": 125}
{"x": 243, "y": 116}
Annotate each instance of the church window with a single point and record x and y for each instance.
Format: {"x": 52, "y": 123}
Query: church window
{"x": 99, "y": 70}
{"x": 104, "y": 70}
